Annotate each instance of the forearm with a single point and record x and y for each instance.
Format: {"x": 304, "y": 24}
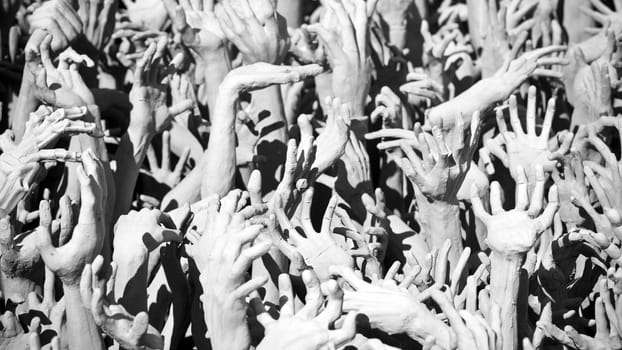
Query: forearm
{"x": 440, "y": 221}
{"x": 219, "y": 159}
{"x": 504, "y": 283}
{"x": 26, "y": 103}
{"x": 271, "y": 145}
{"x": 178, "y": 318}
{"x": 478, "y": 97}
{"x": 130, "y": 287}
{"x": 217, "y": 66}
{"x": 477, "y": 22}
{"x": 185, "y": 191}
{"x": 82, "y": 332}
{"x": 129, "y": 158}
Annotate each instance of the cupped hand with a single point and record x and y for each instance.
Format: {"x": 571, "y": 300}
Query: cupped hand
{"x": 68, "y": 260}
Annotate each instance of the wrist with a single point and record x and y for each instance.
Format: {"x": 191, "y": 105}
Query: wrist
{"x": 438, "y": 213}
{"x": 441, "y": 221}
{"x": 141, "y": 123}
{"x": 216, "y": 56}
{"x": 505, "y": 282}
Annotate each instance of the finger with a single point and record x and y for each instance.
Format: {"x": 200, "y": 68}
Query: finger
{"x": 522, "y": 196}
{"x": 286, "y": 296}
{"x": 546, "y": 218}
{"x": 313, "y": 299}
{"x": 477, "y": 205}
{"x": 531, "y": 111}
{"x": 538, "y": 191}
{"x": 514, "y": 119}
{"x": 333, "y": 308}
{"x": 495, "y": 198}
{"x": 139, "y": 326}
{"x": 349, "y": 276}
{"x": 248, "y": 255}
{"x": 152, "y": 159}
{"x": 166, "y": 150}
{"x": 346, "y": 332}
{"x": 262, "y": 316}
{"x": 252, "y": 285}
{"x": 181, "y": 163}
{"x": 548, "y": 118}
{"x": 305, "y": 216}
{"x": 328, "y": 215}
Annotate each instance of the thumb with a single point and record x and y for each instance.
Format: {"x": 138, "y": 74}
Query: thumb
{"x": 44, "y": 240}
{"x": 42, "y": 91}
{"x": 139, "y": 326}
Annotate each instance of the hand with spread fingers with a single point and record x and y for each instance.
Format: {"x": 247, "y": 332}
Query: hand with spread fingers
{"x": 148, "y": 96}
{"x": 307, "y": 327}
{"x": 163, "y": 173}
{"x": 525, "y": 148}
{"x": 222, "y": 252}
{"x": 198, "y": 25}
{"x": 444, "y": 160}
{"x": 511, "y": 234}
{"x": 255, "y": 28}
{"x": 297, "y": 174}
{"x": 392, "y": 311}
{"x": 129, "y": 331}
{"x": 344, "y": 34}
{"x": 319, "y": 249}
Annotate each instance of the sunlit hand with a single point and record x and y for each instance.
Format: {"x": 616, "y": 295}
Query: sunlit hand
{"x": 307, "y": 327}
{"x": 319, "y": 249}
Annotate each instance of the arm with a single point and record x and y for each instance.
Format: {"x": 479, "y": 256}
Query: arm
{"x": 220, "y": 161}
{"x": 149, "y": 116}
{"x": 82, "y": 332}
{"x": 68, "y": 260}
{"x": 511, "y": 234}
{"x": 438, "y": 181}
{"x": 137, "y": 234}
{"x": 486, "y": 92}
